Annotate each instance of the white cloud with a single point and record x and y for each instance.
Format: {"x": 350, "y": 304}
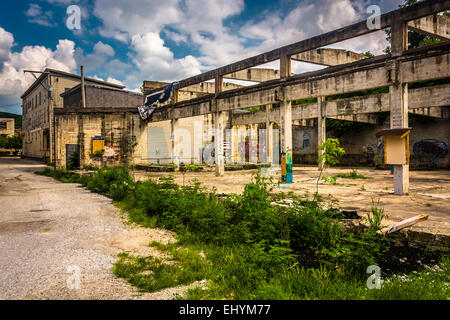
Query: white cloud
{"x": 113, "y": 80}
{"x": 156, "y": 62}
{"x": 13, "y": 82}
{"x": 6, "y": 42}
{"x": 116, "y": 67}
{"x": 122, "y": 19}
{"x": 309, "y": 19}
{"x": 39, "y": 16}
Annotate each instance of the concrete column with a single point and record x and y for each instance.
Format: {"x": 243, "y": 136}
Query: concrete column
{"x": 269, "y": 136}
{"x": 399, "y": 37}
{"x": 399, "y": 119}
{"x": 285, "y": 108}
{"x": 398, "y": 92}
{"x": 218, "y": 143}
{"x": 321, "y": 127}
{"x": 172, "y": 139}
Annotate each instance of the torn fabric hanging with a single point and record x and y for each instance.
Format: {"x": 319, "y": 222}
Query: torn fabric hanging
{"x": 152, "y": 100}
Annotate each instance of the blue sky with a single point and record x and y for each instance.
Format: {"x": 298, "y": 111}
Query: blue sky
{"x": 131, "y": 41}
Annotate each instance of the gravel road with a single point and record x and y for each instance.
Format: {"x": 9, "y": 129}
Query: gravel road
{"x": 52, "y": 234}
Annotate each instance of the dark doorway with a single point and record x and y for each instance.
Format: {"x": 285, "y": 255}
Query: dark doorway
{"x": 72, "y": 156}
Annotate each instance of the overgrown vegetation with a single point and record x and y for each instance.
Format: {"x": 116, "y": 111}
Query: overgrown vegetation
{"x": 246, "y": 248}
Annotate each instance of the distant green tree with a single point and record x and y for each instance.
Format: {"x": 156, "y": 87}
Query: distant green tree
{"x": 15, "y": 142}
{"x": 368, "y": 54}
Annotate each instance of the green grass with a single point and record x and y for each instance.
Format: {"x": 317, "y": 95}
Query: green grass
{"x": 244, "y": 272}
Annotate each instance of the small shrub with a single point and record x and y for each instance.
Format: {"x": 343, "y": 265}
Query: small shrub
{"x": 376, "y": 216}
{"x": 114, "y": 182}
{"x": 330, "y": 179}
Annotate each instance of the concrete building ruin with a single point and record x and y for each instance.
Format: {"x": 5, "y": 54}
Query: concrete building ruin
{"x": 399, "y": 90}
{"x": 394, "y": 73}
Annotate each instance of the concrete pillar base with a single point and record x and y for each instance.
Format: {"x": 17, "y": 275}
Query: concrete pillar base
{"x": 401, "y": 179}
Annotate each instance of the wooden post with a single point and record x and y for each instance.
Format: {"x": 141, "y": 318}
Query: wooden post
{"x": 321, "y": 126}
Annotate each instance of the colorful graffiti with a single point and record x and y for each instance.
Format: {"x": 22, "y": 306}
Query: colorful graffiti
{"x": 286, "y": 167}
{"x": 431, "y": 149}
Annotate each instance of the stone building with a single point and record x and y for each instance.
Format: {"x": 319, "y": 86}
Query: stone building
{"x": 6, "y": 127}
{"x": 38, "y": 104}
{"x": 105, "y": 132}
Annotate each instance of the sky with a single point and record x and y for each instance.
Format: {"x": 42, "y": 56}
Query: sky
{"x": 129, "y": 41}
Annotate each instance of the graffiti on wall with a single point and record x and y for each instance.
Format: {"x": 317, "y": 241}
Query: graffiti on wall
{"x": 374, "y": 148}
{"x": 431, "y": 149}
{"x": 306, "y": 140}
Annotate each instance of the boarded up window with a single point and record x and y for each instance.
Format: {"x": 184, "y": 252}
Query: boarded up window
{"x": 158, "y": 144}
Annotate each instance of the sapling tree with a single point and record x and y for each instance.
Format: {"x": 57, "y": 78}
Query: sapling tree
{"x": 329, "y": 157}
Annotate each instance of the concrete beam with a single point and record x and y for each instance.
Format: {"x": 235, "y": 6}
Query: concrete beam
{"x": 369, "y": 118}
{"x": 435, "y": 26}
{"x": 328, "y": 56}
{"x": 361, "y": 109}
{"x": 428, "y": 63}
{"x": 434, "y": 112}
{"x": 254, "y": 74}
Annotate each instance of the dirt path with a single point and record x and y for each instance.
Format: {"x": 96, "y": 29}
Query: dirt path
{"x": 49, "y": 231}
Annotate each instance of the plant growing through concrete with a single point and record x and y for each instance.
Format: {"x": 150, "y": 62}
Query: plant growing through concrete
{"x": 331, "y": 151}
{"x": 330, "y": 179}
{"x": 376, "y": 216}
{"x": 351, "y": 175}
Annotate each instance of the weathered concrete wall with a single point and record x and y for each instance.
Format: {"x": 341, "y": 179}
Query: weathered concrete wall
{"x": 119, "y": 130}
